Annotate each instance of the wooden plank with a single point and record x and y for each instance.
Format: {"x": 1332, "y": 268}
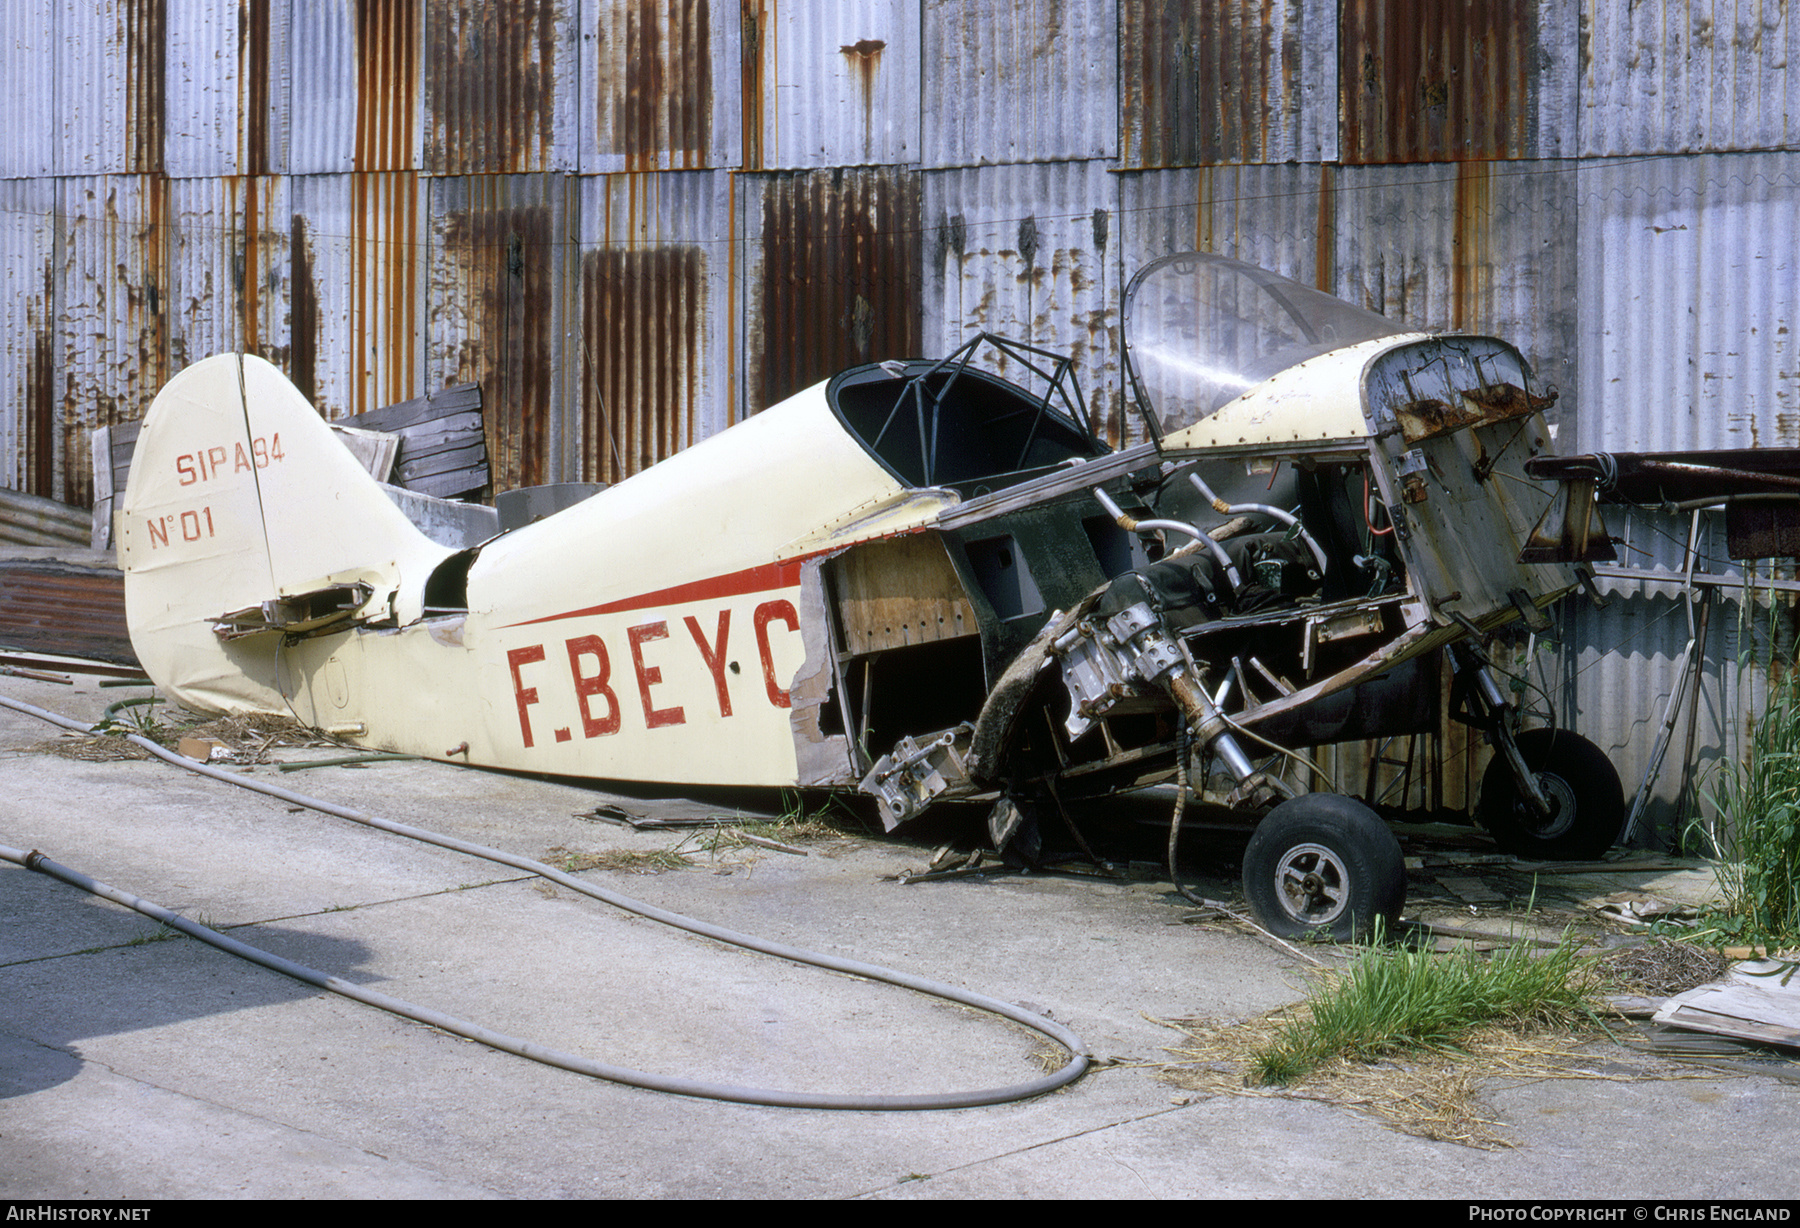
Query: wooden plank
{"x": 449, "y": 460}
{"x": 899, "y": 592}
{"x": 443, "y": 444}
{"x": 419, "y": 410}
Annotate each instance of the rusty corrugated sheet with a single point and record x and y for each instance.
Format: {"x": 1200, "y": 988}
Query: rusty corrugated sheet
{"x": 1698, "y": 75}
{"x": 359, "y": 252}
{"x": 112, "y": 321}
{"x": 656, "y": 317}
{"x": 642, "y": 330}
{"x": 660, "y": 84}
{"x": 85, "y": 87}
{"x": 57, "y": 608}
{"x": 31, "y": 520}
{"x": 1019, "y": 81}
{"x": 498, "y": 312}
{"x": 999, "y": 261}
{"x": 836, "y": 85}
{"x": 28, "y": 240}
{"x": 28, "y": 38}
{"x": 1429, "y": 81}
{"x": 388, "y": 115}
{"x": 1688, "y": 297}
{"x": 322, "y": 68}
{"x": 498, "y": 86}
{"x": 1225, "y": 81}
{"x": 837, "y": 279}
{"x": 229, "y": 268}
{"x": 219, "y": 107}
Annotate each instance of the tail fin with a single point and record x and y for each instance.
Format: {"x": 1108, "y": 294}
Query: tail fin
{"x": 245, "y": 520}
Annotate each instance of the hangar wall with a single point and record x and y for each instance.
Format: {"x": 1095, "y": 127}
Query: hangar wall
{"x": 636, "y": 221}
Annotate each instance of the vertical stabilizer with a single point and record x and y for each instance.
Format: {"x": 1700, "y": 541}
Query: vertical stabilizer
{"x": 246, "y": 521}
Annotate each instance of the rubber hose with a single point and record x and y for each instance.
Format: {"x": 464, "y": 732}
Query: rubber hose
{"x": 1076, "y": 1067}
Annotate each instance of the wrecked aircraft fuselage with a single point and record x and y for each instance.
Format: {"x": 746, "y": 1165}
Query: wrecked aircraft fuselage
{"x": 926, "y": 581}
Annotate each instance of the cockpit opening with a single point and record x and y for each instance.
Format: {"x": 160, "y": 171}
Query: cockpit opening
{"x": 949, "y": 423}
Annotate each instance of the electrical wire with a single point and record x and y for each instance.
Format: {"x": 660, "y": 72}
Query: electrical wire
{"x": 1076, "y": 1067}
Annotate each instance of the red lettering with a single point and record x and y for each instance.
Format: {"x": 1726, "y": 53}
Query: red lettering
{"x": 184, "y": 467}
{"x": 159, "y": 532}
{"x": 215, "y": 457}
{"x": 526, "y": 695}
{"x": 260, "y": 449}
{"x": 714, "y": 656}
{"x": 243, "y": 459}
{"x": 649, "y": 676}
{"x": 275, "y": 453}
{"x": 766, "y": 613}
{"x": 190, "y": 526}
{"x": 586, "y": 687}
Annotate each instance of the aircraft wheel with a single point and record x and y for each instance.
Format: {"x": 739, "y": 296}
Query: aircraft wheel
{"x": 1323, "y": 864}
{"x": 1583, "y": 788}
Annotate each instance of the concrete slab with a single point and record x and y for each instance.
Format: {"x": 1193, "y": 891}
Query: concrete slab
{"x": 139, "y": 1067}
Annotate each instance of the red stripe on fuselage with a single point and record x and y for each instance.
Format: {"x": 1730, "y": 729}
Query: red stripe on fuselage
{"x": 768, "y": 577}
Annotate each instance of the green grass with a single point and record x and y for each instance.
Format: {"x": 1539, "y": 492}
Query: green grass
{"x": 1754, "y": 837}
{"x": 1392, "y": 1000}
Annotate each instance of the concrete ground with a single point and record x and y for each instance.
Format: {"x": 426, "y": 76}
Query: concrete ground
{"x": 135, "y": 1067}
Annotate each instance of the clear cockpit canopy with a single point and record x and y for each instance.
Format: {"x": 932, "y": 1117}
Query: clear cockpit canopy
{"x": 1201, "y": 330}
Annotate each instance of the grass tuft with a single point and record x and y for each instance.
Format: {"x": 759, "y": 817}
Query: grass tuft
{"x": 1393, "y": 1000}
{"x": 1756, "y": 836}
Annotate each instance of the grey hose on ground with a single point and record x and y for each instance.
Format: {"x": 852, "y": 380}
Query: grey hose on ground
{"x": 1076, "y": 1067}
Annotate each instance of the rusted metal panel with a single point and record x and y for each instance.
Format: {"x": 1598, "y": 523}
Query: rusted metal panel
{"x": 358, "y": 256}
{"x": 112, "y": 310}
{"x": 661, "y": 84}
{"x": 389, "y": 51}
{"x": 1427, "y": 81}
{"x": 1688, "y": 303}
{"x": 500, "y": 86}
{"x": 656, "y": 317}
{"x": 28, "y": 41}
{"x": 28, "y": 332}
{"x": 225, "y": 90}
{"x": 1019, "y": 81}
{"x": 322, "y": 74}
{"x": 1226, "y": 81}
{"x": 111, "y": 90}
{"x": 59, "y": 608}
{"x": 86, "y": 83}
{"x": 228, "y": 268}
{"x": 1277, "y": 217}
{"x": 830, "y": 85}
{"x": 32, "y": 520}
{"x": 1666, "y": 77}
{"x": 498, "y": 313}
{"x": 835, "y": 275}
{"x": 1028, "y": 252}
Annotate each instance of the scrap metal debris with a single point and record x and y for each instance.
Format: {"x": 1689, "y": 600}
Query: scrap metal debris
{"x": 1758, "y": 1000}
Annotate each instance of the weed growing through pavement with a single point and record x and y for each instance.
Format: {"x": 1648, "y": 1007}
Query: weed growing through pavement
{"x": 1391, "y": 1000}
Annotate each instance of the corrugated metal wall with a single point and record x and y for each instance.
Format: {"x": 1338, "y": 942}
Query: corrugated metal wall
{"x": 635, "y": 221}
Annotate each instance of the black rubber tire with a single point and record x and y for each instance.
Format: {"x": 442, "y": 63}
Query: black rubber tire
{"x": 1583, "y": 786}
{"x": 1324, "y": 864}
